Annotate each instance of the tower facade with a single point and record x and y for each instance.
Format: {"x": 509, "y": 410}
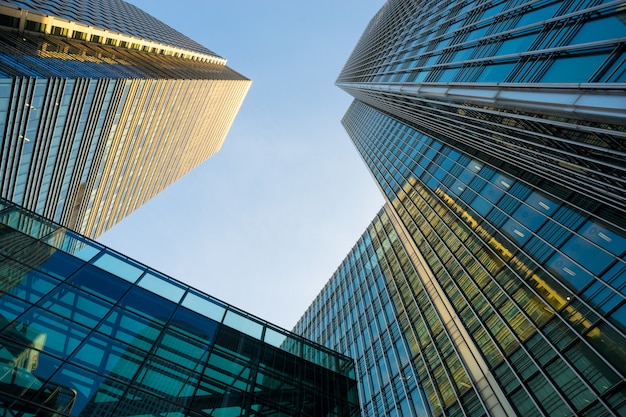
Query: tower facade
{"x": 493, "y": 282}
{"x": 86, "y": 331}
{"x": 103, "y": 106}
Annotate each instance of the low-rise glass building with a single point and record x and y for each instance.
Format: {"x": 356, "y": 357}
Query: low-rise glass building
{"x": 85, "y": 331}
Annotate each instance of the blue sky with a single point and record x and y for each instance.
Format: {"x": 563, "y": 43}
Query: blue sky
{"x": 265, "y": 222}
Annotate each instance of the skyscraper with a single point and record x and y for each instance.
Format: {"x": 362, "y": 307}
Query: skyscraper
{"x": 85, "y": 331}
{"x": 493, "y": 282}
{"x": 103, "y": 106}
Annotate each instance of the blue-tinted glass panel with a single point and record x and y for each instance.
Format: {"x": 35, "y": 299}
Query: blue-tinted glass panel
{"x": 59, "y": 265}
{"x": 100, "y": 283}
{"x": 162, "y": 286}
{"x": 147, "y": 304}
{"x": 119, "y": 266}
{"x": 586, "y": 66}
{"x": 76, "y": 305}
{"x": 192, "y": 324}
{"x": 603, "y": 237}
{"x": 244, "y": 324}
{"x": 130, "y": 328}
{"x": 598, "y": 29}
{"x": 586, "y": 254}
{"x": 209, "y": 308}
{"x": 569, "y": 271}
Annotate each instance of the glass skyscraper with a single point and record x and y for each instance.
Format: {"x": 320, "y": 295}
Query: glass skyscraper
{"x": 493, "y": 282}
{"x": 103, "y": 106}
{"x": 85, "y": 331}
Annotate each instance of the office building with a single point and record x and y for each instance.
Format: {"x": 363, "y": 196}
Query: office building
{"x": 85, "y": 331}
{"x": 103, "y": 106}
{"x": 493, "y": 281}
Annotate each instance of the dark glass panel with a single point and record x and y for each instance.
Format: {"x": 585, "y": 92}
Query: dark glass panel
{"x": 548, "y": 397}
{"x": 192, "y": 324}
{"x": 569, "y": 383}
{"x": 100, "y": 283}
{"x": 147, "y": 304}
{"x": 595, "y": 371}
{"x": 60, "y": 265}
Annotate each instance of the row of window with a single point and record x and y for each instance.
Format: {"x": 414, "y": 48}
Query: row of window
{"x": 431, "y": 192}
{"x": 472, "y": 42}
{"x": 374, "y": 307}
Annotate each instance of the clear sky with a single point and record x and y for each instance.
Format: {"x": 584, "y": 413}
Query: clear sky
{"x": 265, "y": 222}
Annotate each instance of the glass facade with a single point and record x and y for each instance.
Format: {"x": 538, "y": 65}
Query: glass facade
{"x": 376, "y": 309}
{"x": 85, "y": 331}
{"x": 495, "y": 131}
{"x": 90, "y": 131}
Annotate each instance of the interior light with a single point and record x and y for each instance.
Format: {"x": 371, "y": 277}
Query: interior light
{"x": 569, "y": 271}
{"x": 544, "y": 205}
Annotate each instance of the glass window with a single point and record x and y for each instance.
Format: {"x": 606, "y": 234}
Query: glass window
{"x": 586, "y": 254}
{"x": 109, "y": 357}
{"x": 99, "y": 282}
{"x": 616, "y": 277}
{"x": 547, "y": 397}
{"x": 496, "y": 72}
{"x": 516, "y": 231}
{"x": 569, "y": 271}
{"x": 603, "y": 237}
{"x": 10, "y": 308}
{"x": 118, "y": 265}
{"x": 20, "y": 281}
{"x": 618, "y": 317}
{"x": 193, "y": 324}
{"x": 516, "y": 44}
{"x": 147, "y": 304}
{"x": 569, "y": 383}
{"x": 524, "y": 405}
{"x": 244, "y": 324}
{"x": 601, "y": 29}
{"x": 58, "y": 264}
{"x": 585, "y": 66}
{"x": 481, "y": 205}
{"x": 212, "y": 309}
{"x": 76, "y": 305}
{"x": 60, "y": 336}
{"x": 130, "y": 328}
{"x": 82, "y": 382}
{"x": 595, "y": 371}
{"x": 162, "y": 286}
{"x": 492, "y": 193}
{"x": 602, "y": 296}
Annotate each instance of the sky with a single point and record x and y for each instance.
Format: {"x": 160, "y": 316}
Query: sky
{"x": 265, "y": 222}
